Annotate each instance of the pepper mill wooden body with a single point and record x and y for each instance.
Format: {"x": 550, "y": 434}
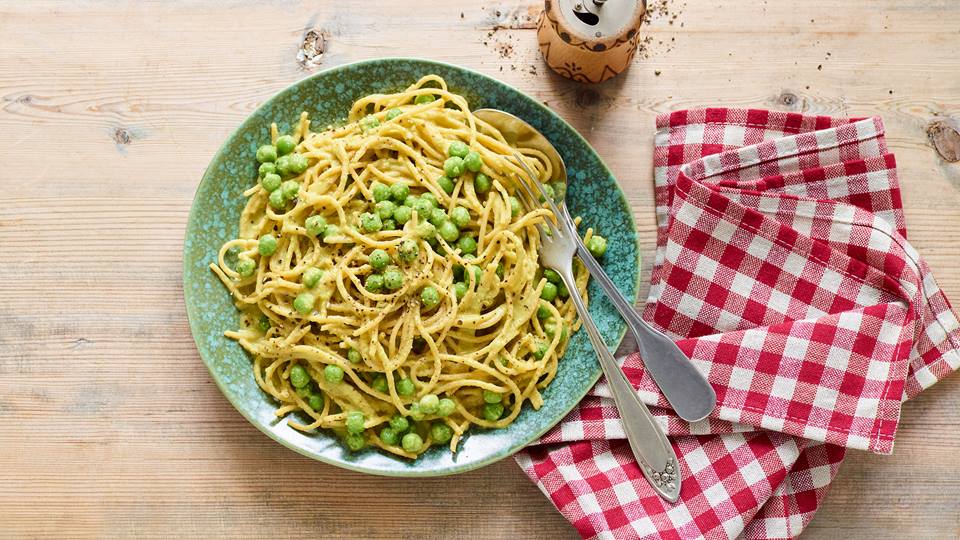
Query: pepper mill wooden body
{"x": 589, "y": 40}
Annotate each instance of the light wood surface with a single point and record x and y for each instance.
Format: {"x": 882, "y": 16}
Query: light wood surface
{"x": 109, "y": 112}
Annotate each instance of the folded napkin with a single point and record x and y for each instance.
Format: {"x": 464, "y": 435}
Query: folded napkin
{"x": 784, "y": 273}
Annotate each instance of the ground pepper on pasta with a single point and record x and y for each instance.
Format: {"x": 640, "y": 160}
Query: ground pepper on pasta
{"x": 388, "y": 279}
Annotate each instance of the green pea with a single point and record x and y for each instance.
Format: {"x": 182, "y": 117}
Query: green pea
{"x": 393, "y": 279}
{"x": 492, "y": 397}
{"x": 453, "y": 167}
{"x": 354, "y": 422}
{"x": 415, "y": 412}
{"x": 315, "y": 402}
{"x": 440, "y": 432}
{"x": 290, "y": 189}
{"x": 380, "y": 384}
{"x": 408, "y": 250}
{"x": 370, "y": 222}
{"x": 549, "y": 292}
{"x": 277, "y": 200}
{"x": 410, "y": 200}
{"x": 445, "y": 184}
{"x": 385, "y": 209}
{"x": 355, "y": 441}
{"x": 311, "y": 276}
{"x": 264, "y": 323}
{"x": 552, "y": 276}
{"x": 500, "y": 270}
{"x": 304, "y": 392}
{"x": 374, "y": 283}
{"x": 389, "y": 436}
{"x": 393, "y": 113}
{"x": 492, "y": 411}
{"x": 283, "y": 165}
{"x": 547, "y": 192}
{"x": 399, "y": 192}
{"x": 541, "y": 351}
{"x": 473, "y": 162}
{"x": 550, "y": 328}
{"x": 304, "y": 303}
{"x": 402, "y": 214}
{"x": 331, "y": 231}
{"x": 458, "y": 149}
{"x": 428, "y": 195}
{"x": 285, "y": 144}
{"x": 514, "y": 206}
{"x": 481, "y": 184}
{"x": 597, "y": 245}
{"x": 405, "y": 387}
{"x": 412, "y": 442}
{"x": 369, "y": 122}
{"x": 460, "y": 288}
{"x": 563, "y": 291}
{"x": 267, "y": 245}
{"x": 246, "y": 267}
{"x": 437, "y": 216}
{"x": 426, "y": 231}
{"x": 543, "y": 312}
{"x": 460, "y": 216}
{"x": 446, "y": 407}
{"x": 299, "y": 376}
{"x": 298, "y": 163}
{"x": 477, "y": 273}
{"x": 333, "y": 373}
{"x": 425, "y": 98}
{"x": 429, "y": 403}
{"x": 400, "y": 423}
{"x": 424, "y": 208}
{"x": 467, "y": 245}
{"x": 429, "y": 297}
{"x": 353, "y": 356}
{"x": 266, "y": 153}
{"x": 559, "y": 190}
{"x": 380, "y": 191}
{"x": 379, "y": 259}
{"x": 448, "y": 231}
{"x": 315, "y": 225}
{"x": 270, "y": 181}
{"x": 266, "y": 168}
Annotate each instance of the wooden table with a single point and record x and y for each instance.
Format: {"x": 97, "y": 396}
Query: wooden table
{"x": 109, "y": 112}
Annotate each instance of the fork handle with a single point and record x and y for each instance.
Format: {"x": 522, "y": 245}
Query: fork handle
{"x": 650, "y": 446}
{"x": 688, "y": 391}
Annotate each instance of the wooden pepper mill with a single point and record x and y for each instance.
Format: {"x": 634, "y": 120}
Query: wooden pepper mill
{"x": 589, "y": 40}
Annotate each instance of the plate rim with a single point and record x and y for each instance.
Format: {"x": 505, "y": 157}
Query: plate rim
{"x": 190, "y": 302}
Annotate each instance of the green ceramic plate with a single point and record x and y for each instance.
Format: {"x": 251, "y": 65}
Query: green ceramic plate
{"x": 327, "y": 96}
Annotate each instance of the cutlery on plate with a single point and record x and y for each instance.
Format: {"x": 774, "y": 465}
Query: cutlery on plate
{"x": 688, "y": 392}
{"x": 648, "y": 442}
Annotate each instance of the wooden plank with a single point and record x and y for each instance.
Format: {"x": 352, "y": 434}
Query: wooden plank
{"x": 110, "y": 425}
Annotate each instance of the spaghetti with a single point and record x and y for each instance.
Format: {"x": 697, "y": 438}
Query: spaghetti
{"x": 389, "y": 281}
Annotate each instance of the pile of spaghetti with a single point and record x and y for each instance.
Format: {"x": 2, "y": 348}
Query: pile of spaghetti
{"x": 389, "y": 279}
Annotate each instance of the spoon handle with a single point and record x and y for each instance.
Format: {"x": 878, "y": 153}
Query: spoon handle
{"x": 682, "y": 384}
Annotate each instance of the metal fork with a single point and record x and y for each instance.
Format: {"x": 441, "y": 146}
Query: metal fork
{"x": 650, "y": 446}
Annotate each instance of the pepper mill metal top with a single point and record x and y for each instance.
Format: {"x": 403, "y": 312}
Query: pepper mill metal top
{"x": 589, "y": 40}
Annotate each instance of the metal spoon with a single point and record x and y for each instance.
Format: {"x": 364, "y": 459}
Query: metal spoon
{"x": 688, "y": 392}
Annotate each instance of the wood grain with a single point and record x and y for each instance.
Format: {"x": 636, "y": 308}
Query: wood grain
{"x": 109, "y": 112}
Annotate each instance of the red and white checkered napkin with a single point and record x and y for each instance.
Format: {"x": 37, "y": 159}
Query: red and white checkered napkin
{"x": 784, "y": 271}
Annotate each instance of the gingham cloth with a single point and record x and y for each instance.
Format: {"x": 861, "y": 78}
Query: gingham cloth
{"x": 784, "y": 272}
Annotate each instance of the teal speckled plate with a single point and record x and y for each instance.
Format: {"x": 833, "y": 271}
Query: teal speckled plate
{"x": 593, "y": 194}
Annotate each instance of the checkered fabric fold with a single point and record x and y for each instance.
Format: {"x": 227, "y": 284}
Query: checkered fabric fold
{"x": 784, "y": 273}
